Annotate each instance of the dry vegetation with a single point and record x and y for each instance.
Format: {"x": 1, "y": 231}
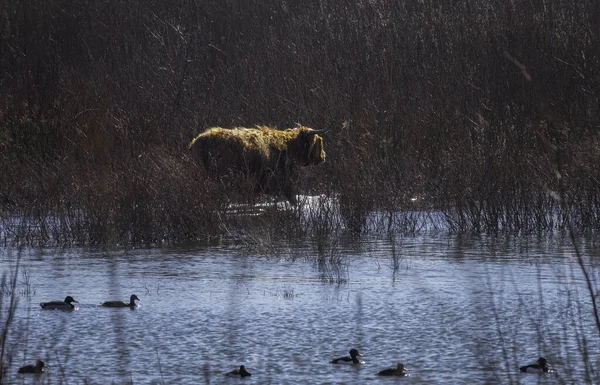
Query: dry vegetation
{"x": 483, "y": 110}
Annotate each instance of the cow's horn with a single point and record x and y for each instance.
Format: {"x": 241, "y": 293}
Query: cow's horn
{"x": 321, "y": 131}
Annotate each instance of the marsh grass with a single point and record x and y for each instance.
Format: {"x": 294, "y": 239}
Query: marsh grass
{"x": 97, "y": 111}
{"x": 286, "y": 293}
{"x": 396, "y": 257}
{"x": 579, "y": 365}
{"x": 330, "y": 262}
{"x": 24, "y": 288}
{"x": 472, "y": 117}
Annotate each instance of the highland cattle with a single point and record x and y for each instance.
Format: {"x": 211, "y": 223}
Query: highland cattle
{"x": 267, "y": 157}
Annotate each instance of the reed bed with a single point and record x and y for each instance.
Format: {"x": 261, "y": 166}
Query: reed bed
{"x": 461, "y": 109}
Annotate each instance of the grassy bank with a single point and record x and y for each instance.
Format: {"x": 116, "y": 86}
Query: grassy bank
{"x": 484, "y": 110}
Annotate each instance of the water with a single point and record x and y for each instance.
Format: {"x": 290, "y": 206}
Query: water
{"x": 457, "y": 310}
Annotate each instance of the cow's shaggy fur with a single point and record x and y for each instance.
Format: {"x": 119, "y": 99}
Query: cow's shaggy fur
{"x": 270, "y": 158}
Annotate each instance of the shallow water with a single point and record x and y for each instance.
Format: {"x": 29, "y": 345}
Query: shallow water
{"x": 457, "y": 310}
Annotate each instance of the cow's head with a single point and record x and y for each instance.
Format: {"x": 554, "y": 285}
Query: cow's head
{"x": 307, "y": 148}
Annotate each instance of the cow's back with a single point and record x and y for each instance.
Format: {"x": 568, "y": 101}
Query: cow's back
{"x": 222, "y": 151}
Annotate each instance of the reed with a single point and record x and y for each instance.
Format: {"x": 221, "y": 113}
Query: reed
{"x": 580, "y": 364}
{"x": 446, "y": 103}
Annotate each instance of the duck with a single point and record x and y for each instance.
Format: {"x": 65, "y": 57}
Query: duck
{"x": 38, "y": 368}
{"x": 540, "y": 366}
{"x": 399, "y": 370}
{"x": 131, "y": 303}
{"x": 67, "y": 304}
{"x": 351, "y": 359}
{"x": 242, "y": 372}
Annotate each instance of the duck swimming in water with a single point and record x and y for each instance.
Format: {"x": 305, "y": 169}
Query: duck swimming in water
{"x": 67, "y": 304}
{"x": 38, "y": 368}
{"x": 399, "y": 370}
{"x": 131, "y": 302}
{"x": 242, "y": 372}
{"x": 540, "y": 366}
{"x": 351, "y": 359}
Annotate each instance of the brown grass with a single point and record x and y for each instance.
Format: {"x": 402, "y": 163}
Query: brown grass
{"x": 458, "y": 107}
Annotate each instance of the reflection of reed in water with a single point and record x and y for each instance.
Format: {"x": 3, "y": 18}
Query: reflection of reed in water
{"x": 569, "y": 346}
{"x": 330, "y": 262}
{"x": 123, "y": 367}
{"x": 14, "y": 336}
{"x": 7, "y": 312}
{"x": 534, "y": 315}
{"x": 396, "y": 256}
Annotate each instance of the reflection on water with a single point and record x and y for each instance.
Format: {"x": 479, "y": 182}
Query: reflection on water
{"x": 458, "y": 310}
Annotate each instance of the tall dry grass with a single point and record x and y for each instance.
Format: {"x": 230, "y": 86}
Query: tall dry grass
{"x": 456, "y": 105}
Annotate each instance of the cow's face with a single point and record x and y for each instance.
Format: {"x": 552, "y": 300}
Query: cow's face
{"x": 316, "y": 153}
{"x": 308, "y": 149}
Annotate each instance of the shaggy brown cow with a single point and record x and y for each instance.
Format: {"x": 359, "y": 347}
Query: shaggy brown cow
{"x": 270, "y": 158}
